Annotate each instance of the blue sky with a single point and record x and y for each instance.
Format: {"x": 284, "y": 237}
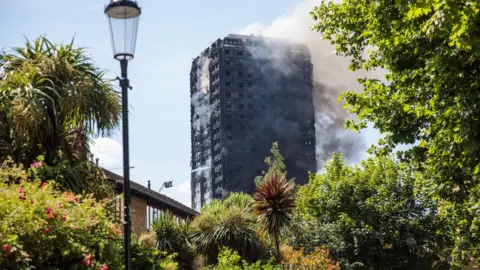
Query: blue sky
{"x": 170, "y": 34}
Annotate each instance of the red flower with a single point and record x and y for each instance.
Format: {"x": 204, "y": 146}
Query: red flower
{"x": 43, "y": 185}
{"x": 103, "y": 267}
{"x": 90, "y": 256}
{"x": 64, "y": 218}
{"x": 7, "y": 249}
{"x": 49, "y": 210}
{"x": 21, "y": 190}
{"x": 66, "y": 193}
{"x": 84, "y": 262}
{"x": 47, "y": 230}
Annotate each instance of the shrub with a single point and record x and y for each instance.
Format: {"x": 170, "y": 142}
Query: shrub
{"x": 230, "y": 260}
{"x": 146, "y": 256}
{"x": 44, "y": 228}
{"x": 316, "y": 260}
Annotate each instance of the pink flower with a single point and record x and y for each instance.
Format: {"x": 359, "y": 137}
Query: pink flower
{"x": 36, "y": 165}
{"x": 43, "y": 185}
{"x": 64, "y": 218}
{"x": 103, "y": 267}
{"x": 90, "y": 256}
{"x": 47, "y": 230}
{"x": 49, "y": 210}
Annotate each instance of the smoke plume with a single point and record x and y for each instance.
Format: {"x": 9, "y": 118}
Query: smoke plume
{"x": 330, "y": 79}
{"x": 200, "y": 99}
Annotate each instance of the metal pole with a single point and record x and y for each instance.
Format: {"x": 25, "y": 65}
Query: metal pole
{"x": 124, "y": 83}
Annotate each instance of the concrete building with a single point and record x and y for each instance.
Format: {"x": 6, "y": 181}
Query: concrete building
{"x": 247, "y": 92}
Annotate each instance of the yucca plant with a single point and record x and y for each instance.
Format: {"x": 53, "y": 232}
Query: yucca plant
{"x": 274, "y": 202}
{"x": 174, "y": 236}
{"x": 229, "y": 223}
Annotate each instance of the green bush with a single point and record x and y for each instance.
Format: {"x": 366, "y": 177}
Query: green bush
{"x": 44, "y": 228}
{"x": 146, "y": 256}
{"x": 230, "y": 260}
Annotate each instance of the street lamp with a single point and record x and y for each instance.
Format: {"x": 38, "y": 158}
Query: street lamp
{"x": 123, "y": 16}
{"x": 167, "y": 184}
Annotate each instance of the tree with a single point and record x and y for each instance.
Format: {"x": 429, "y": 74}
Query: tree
{"x": 430, "y": 53}
{"x": 230, "y": 223}
{"x": 370, "y": 217}
{"x": 52, "y": 98}
{"x": 274, "y": 203}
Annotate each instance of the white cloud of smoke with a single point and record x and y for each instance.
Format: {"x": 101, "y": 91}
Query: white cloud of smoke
{"x": 330, "y": 78}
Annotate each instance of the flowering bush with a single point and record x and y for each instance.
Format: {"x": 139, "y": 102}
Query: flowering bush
{"x": 44, "y": 228}
{"x": 316, "y": 260}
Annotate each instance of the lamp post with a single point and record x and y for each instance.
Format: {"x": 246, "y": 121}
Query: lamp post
{"x": 123, "y": 17}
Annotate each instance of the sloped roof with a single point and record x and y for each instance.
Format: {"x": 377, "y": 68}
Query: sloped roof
{"x": 155, "y": 198}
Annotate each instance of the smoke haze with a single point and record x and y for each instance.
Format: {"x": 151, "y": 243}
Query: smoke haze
{"x": 330, "y": 78}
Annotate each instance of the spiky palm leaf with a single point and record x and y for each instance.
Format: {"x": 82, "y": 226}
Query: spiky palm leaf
{"x": 174, "y": 236}
{"x": 52, "y": 98}
{"x": 229, "y": 223}
{"x": 274, "y": 202}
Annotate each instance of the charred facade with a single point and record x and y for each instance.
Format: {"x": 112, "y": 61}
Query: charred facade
{"x": 247, "y": 92}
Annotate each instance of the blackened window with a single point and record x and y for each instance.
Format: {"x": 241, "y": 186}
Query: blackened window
{"x": 242, "y": 127}
{"x": 240, "y": 74}
{"x": 250, "y": 96}
{"x": 229, "y": 117}
{"x": 229, "y": 106}
{"x": 241, "y": 116}
{"x": 241, "y": 106}
{"x": 263, "y": 107}
{"x": 229, "y": 127}
{"x": 228, "y": 94}
{"x": 249, "y": 75}
{"x": 227, "y": 72}
{"x": 250, "y": 84}
{"x": 227, "y": 62}
{"x": 241, "y": 95}
{"x": 240, "y": 85}
{"x": 227, "y": 51}
{"x": 250, "y": 106}
{"x": 251, "y": 117}
{"x": 240, "y": 53}
{"x": 227, "y": 83}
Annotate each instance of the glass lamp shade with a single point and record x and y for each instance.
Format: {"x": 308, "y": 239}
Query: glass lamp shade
{"x": 123, "y": 16}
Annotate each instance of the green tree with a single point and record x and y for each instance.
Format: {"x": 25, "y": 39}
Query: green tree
{"x": 430, "y": 53}
{"x": 52, "y": 98}
{"x": 274, "y": 199}
{"x": 230, "y": 223}
{"x": 370, "y": 217}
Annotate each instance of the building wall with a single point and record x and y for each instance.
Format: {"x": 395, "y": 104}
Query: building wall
{"x": 260, "y": 91}
{"x": 139, "y": 215}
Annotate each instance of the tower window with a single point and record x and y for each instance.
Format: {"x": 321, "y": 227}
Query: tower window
{"x": 241, "y": 116}
{"x": 227, "y": 51}
{"x": 241, "y": 95}
{"x": 240, "y": 85}
{"x": 240, "y": 53}
{"x": 228, "y": 94}
{"x": 227, "y": 72}
{"x": 241, "y": 106}
{"x": 227, "y": 84}
{"x": 250, "y": 84}
{"x": 240, "y": 74}
{"x": 250, "y": 106}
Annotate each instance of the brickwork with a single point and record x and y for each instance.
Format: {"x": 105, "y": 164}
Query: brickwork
{"x": 139, "y": 215}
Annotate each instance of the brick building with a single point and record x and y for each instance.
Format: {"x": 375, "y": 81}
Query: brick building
{"x": 247, "y": 92}
{"x": 146, "y": 204}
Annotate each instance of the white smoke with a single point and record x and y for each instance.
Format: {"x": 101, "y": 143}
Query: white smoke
{"x": 331, "y": 77}
{"x": 201, "y": 99}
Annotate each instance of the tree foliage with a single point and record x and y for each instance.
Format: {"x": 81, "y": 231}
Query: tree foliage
{"x": 430, "y": 53}
{"x": 370, "y": 217}
{"x": 52, "y": 97}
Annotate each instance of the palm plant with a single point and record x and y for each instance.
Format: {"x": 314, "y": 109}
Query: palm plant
{"x": 174, "y": 236}
{"x": 274, "y": 202}
{"x": 53, "y": 97}
{"x": 229, "y": 223}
